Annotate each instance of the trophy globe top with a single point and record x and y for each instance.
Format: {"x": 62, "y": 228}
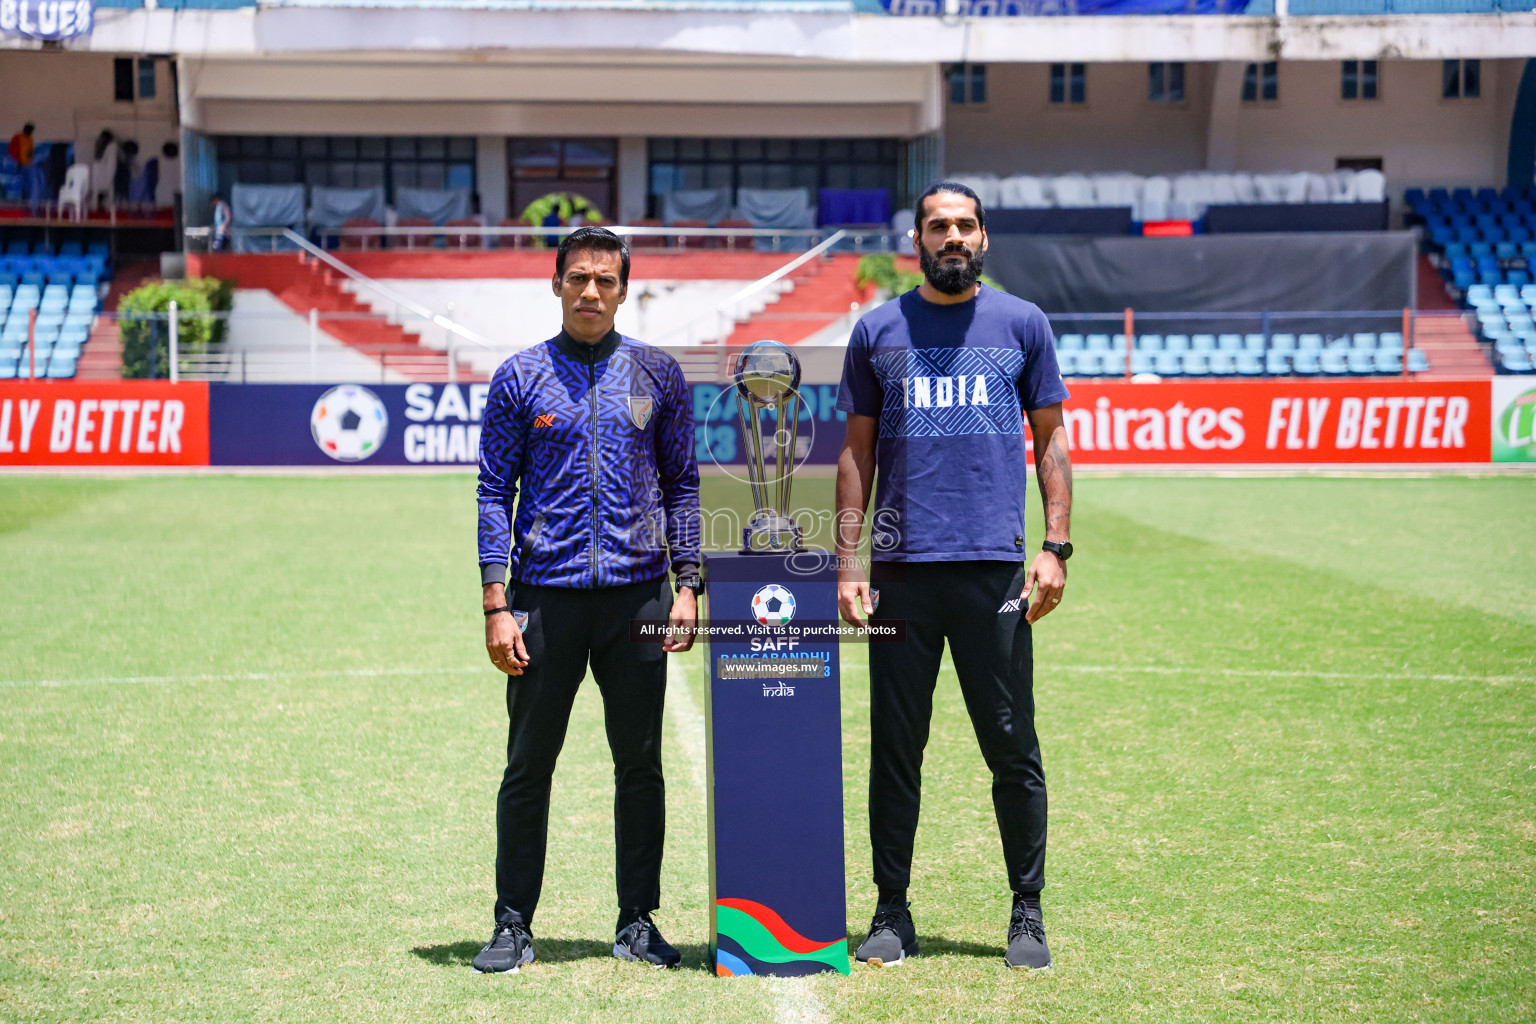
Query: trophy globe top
{"x": 766, "y": 372}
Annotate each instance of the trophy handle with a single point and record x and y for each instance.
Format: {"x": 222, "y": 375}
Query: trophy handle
{"x": 785, "y": 436}
{"x": 752, "y": 442}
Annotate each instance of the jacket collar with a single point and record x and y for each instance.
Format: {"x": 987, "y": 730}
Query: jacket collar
{"x": 584, "y": 353}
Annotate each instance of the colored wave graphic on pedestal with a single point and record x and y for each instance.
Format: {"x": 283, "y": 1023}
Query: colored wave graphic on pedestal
{"x": 764, "y": 936}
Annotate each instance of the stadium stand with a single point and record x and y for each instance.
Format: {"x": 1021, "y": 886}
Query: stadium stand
{"x": 1483, "y": 243}
{"x": 64, "y": 290}
{"x": 1350, "y": 354}
{"x": 1177, "y": 197}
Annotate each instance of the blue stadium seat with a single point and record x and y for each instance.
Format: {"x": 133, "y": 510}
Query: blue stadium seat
{"x": 1117, "y": 343}
{"x": 1456, "y": 251}
{"x": 1196, "y": 363}
{"x": 1418, "y": 362}
{"x": 1177, "y": 342}
{"x": 1363, "y": 339}
{"x": 1090, "y": 363}
{"x": 1282, "y": 342}
{"x": 1507, "y": 251}
{"x": 1250, "y": 363}
{"x": 1309, "y": 342}
{"x": 1518, "y": 277}
{"x": 1277, "y": 363}
{"x": 1253, "y": 343}
{"x": 99, "y": 248}
{"x": 1066, "y": 362}
{"x": 61, "y": 368}
{"x": 1098, "y": 343}
{"x": 1150, "y": 343}
{"x": 1203, "y": 342}
{"x": 1518, "y": 363}
{"x": 1334, "y": 362}
{"x": 1439, "y": 196}
{"x": 6, "y": 291}
{"x": 1504, "y": 346}
{"x": 1230, "y": 342}
{"x": 1114, "y": 363}
{"x": 1415, "y": 197}
{"x": 1392, "y": 340}
{"x": 1143, "y": 362}
{"x": 1168, "y": 364}
{"x": 18, "y": 249}
{"x": 71, "y": 249}
{"x": 1069, "y": 343}
{"x": 1362, "y": 361}
{"x": 1306, "y": 363}
{"x": 1222, "y": 363}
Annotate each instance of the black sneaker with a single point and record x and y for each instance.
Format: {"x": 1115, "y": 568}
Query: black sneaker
{"x": 1026, "y": 934}
{"x": 892, "y": 936}
{"x": 640, "y": 940}
{"x": 510, "y": 947}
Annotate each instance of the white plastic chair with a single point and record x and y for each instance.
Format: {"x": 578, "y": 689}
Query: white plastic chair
{"x": 1021, "y": 192}
{"x": 1370, "y": 186}
{"x": 1341, "y": 186}
{"x": 1156, "y": 192}
{"x": 75, "y": 191}
{"x": 1270, "y": 188}
{"x": 984, "y": 185}
{"x": 1072, "y": 190}
{"x": 1318, "y": 190}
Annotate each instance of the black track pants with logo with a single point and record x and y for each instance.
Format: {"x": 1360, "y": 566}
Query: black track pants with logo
{"x": 961, "y": 602}
{"x": 565, "y": 629}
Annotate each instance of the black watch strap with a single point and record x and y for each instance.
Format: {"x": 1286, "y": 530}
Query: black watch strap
{"x": 496, "y": 611}
{"x": 1061, "y": 549}
{"x": 693, "y": 583}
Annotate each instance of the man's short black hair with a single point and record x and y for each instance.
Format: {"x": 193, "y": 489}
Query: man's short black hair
{"x": 593, "y": 239}
{"x": 948, "y": 186}
{"x": 27, "y": 128}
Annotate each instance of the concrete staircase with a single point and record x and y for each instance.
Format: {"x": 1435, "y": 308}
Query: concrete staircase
{"x": 1440, "y": 330}
{"x": 302, "y": 284}
{"x": 822, "y": 291}
{"x": 102, "y": 356}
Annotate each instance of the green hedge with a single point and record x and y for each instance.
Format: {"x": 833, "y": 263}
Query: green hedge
{"x": 146, "y": 340}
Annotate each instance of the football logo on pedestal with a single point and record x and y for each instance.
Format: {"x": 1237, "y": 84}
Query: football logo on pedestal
{"x": 773, "y": 605}
{"x": 349, "y": 423}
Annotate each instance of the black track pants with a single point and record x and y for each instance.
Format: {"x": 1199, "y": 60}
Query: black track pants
{"x": 962, "y": 602}
{"x": 566, "y": 628}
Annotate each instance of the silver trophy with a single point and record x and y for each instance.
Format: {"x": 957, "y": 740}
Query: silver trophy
{"x": 767, "y": 376}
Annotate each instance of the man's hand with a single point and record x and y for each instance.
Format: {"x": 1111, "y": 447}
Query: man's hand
{"x": 681, "y": 622}
{"x": 853, "y": 601}
{"x": 1047, "y": 578}
{"x": 503, "y": 638}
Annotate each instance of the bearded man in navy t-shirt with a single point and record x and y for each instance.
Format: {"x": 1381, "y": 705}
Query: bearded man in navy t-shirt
{"x": 937, "y": 384}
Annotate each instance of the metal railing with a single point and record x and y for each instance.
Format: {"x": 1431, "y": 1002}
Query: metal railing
{"x": 876, "y": 238}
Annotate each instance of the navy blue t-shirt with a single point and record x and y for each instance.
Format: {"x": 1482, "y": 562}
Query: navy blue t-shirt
{"x": 949, "y": 385}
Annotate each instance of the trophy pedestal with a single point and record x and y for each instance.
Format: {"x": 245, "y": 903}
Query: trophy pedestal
{"x": 775, "y": 780}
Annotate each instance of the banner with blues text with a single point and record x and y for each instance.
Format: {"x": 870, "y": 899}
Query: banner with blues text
{"x": 47, "y": 19}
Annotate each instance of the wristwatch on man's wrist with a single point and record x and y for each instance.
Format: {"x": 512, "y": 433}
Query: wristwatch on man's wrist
{"x": 1061, "y": 549}
{"x": 693, "y": 583}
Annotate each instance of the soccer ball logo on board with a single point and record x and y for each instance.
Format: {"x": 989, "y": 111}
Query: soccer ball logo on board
{"x": 349, "y": 423}
{"x": 773, "y": 605}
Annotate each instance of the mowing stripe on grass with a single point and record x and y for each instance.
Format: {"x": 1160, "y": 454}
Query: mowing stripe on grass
{"x": 246, "y": 677}
{"x": 1267, "y": 673}
{"x": 691, "y": 722}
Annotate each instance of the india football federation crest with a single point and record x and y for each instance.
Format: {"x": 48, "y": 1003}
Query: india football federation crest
{"x": 640, "y": 410}
{"x": 773, "y": 605}
{"x": 349, "y": 423}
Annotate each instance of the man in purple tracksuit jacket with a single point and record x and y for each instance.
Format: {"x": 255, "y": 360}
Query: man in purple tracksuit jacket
{"x": 597, "y": 431}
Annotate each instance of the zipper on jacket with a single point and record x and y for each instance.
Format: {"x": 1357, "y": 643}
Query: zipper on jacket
{"x": 592, "y": 555}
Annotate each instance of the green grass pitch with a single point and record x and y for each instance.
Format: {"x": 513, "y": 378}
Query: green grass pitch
{"x": 249, "y": 748}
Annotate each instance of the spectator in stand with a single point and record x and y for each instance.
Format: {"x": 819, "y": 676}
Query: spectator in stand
{"x": 122, "y": 175}
{"x": 104, "y": 168}
{"x": 58, "y": 167}
{"x": 21, "y": 148}
{"x": 222, "y": 216}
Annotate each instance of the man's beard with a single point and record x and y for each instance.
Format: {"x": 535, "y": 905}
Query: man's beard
{"x": 950, "y": 278}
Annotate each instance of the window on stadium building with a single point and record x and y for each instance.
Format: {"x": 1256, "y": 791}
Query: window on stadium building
{"x": 967, "y": 83}
{"x": 1261, "y": 82}
{"x": 582, "y": 166}
{"x": 1165, "y": 81}
{"x": 347, "y": 161}
{"x": 812, "y": 164}
{"x": 1461, "y": 80}
{"x": 1358, "y": 80}
{"x": 1069, "y": 83}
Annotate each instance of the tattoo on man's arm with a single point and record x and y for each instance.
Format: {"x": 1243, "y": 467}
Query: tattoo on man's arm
{"x": 1056, "y": 482}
